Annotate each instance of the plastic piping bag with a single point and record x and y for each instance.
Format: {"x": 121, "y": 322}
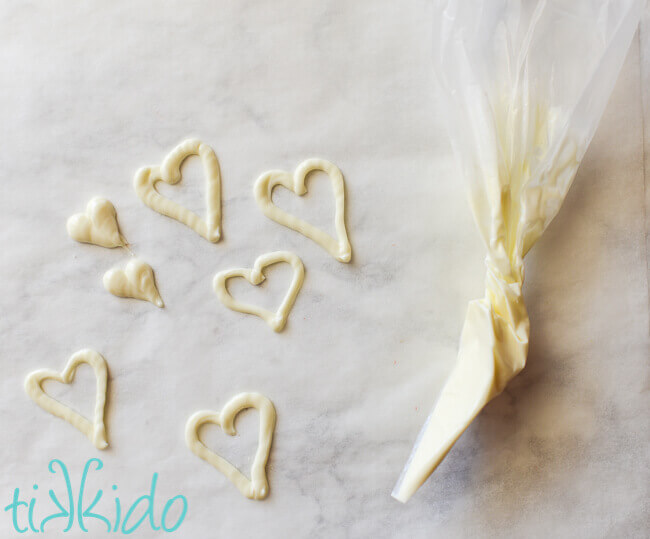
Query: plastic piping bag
{"x": 526, "y": 83}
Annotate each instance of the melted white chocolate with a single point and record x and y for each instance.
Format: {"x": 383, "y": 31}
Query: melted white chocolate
{"x": 136, "y": 281}
{"x": 494, "y": 341}
{"x": 340, "y": 247}
{"x": 170, "y": 172}
{"x": 255, "y": 276}
{"x": 94, "y": 430}
{"x": 97, "y": 225}
{"x": 257, "y": 487}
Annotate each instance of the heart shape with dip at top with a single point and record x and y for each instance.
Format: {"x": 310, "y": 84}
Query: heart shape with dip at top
{"x": 339, "y": 248}
{"x": 170, "y": 172}
{"x": 97, "y": 225}
{"x": 94, "y": 430}
{"x": 255, "y": 276}
{"x": 257, "y": 487}
{"x": 136, "y": 280}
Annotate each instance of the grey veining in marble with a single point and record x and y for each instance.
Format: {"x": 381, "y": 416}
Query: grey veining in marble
{"x": 91, "y": 91}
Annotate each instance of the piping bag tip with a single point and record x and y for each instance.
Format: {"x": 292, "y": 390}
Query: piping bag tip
{"x": 475, "y": 380}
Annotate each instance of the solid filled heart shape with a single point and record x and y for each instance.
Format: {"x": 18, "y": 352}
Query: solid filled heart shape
{"x": 97, "y": 225}
{"x": 136, "y": 280}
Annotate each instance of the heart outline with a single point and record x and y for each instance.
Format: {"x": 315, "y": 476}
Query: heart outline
{"x": 257, "y": 487}
{"x": 146, "y": 178}
{"x": 97, "y": 225}
{"x": 136, "y": 281}
{"x": 340, "y": 247}
{"x": 255, "y": 276}
{"x": 94, "y": 430}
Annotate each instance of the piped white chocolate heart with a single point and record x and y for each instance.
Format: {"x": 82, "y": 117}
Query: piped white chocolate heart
{"x": 339, "y": 248}
{"x": 97, "y": 225}
{"x": 136, "y": 281}
{"x": 170, "y": 172}
{"x": 94, "y": 430}
{"x": 257, "y": 487}
{"x": 255, "y": 276}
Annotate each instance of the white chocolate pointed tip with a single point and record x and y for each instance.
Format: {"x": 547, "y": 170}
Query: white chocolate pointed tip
{"x": 258, "y": 493}
{"x": 142, "y": 174}
{"x": 215, "y": 235}
{"x": 345, "y": 257}
{"x": 100, "y": 441}
{"x": 277, "y": 323}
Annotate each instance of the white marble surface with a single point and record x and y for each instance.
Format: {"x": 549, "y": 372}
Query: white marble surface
{"x": 91, "y": 91}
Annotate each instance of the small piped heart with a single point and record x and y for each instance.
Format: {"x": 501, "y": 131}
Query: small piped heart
{"x": 94, "y": 430}
{"x": 338, "y": 247}
{"x": 170, "y": 172}
{"x": 97, "y": 225}
{"x": 255, "y": 276}
{"x": 257, "y": 487}
{"x": 136, "y": 281}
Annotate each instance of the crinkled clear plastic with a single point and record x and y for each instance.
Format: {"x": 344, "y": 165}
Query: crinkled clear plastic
{"x": 526, "y": 83}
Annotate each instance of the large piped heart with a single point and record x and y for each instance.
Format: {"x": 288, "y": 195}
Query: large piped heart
{"x": 170, "y": 172}
{"x": 94, "y": 430}
{"x": 97, "y": 225}
{"x": 257, "y": 487}
{"x": 255, "y": 276}
{"x": 339, "y": 248}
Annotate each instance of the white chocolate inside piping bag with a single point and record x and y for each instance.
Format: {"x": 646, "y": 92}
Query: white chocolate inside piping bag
{"x": 170, "y": 172}
{"x": 494, "y": 340}
{"x": 255, "y": 276}
{"x": 136, "y": 281}
{"x": 493, "y": 349}
{"x": 95, "y": 429}
{"x": 523, "y": 105}
{"x": 257, "y": 487}
{"x": 97, "y": 225}
{"x": 338, "y": 247}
